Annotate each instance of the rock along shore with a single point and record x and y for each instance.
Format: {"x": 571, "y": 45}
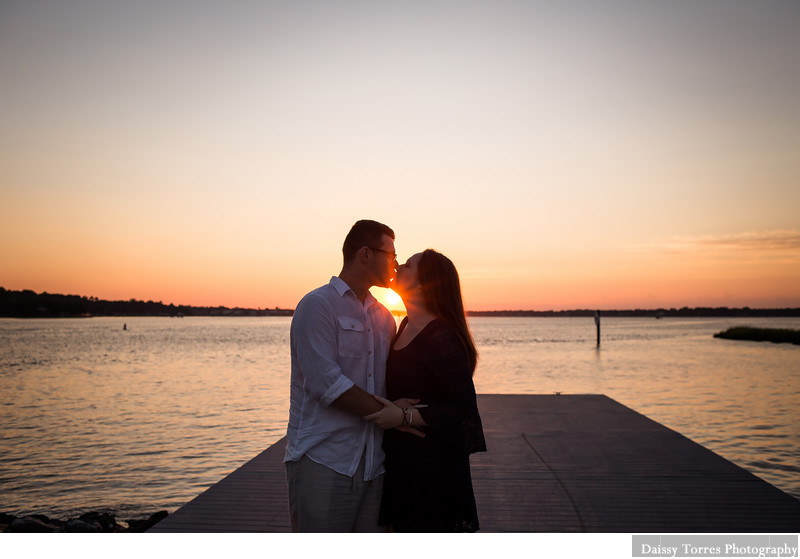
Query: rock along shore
{"x": 90, "y": 522}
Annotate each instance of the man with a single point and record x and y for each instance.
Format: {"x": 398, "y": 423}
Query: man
{"x": 340, "y": 337}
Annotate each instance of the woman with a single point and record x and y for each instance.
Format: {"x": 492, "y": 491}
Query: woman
{"x": 428, "y": 487}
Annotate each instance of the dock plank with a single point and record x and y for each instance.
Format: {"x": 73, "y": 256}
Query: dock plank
{"x": 566, "y": 463}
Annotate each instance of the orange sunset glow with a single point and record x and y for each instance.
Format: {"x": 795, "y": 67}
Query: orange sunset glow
{"x": 605, "y": 155}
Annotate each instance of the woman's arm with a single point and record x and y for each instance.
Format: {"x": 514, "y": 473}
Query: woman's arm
{"x": 454, "y": 416}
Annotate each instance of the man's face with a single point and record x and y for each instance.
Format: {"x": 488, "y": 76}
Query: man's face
{"x": 384, "y": 262}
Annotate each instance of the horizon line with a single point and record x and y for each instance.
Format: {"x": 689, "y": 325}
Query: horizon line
{"x": 684, "y": 308}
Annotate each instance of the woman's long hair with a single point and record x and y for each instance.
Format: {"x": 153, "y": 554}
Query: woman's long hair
{"x": 441, "y": 293}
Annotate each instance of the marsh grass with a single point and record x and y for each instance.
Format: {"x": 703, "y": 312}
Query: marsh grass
{"x": 775, "y": 335}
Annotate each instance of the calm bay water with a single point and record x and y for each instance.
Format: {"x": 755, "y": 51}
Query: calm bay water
{"x": 144, "y": 419}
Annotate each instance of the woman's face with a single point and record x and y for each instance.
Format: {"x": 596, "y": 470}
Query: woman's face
{"x": 407, "y": 279}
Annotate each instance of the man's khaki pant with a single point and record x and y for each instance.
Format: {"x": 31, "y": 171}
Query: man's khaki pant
{"x": 322, "y": 500}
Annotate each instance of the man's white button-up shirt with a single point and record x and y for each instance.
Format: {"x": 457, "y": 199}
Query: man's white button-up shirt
{"x": 337, "y": 342}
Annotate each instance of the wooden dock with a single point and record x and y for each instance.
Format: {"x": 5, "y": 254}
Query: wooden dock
{"x": 568, "y": 463}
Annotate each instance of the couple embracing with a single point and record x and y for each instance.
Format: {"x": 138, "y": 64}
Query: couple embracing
{"x": 382, "y": 419}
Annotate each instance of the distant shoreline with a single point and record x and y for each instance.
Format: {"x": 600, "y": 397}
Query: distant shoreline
{"x": 28, "y": 304}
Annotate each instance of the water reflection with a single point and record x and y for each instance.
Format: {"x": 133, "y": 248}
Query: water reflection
{"x": 725, "y": 396}
{"x": 144, "y": 419}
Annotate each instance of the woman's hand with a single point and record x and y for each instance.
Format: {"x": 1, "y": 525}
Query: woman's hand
{"x": 406, "y": 402}
{"x": 389, "y": 417}
{"x": 392, "y": 416}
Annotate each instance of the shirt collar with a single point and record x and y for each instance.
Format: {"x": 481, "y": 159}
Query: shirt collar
{"x": 341, "y": 288}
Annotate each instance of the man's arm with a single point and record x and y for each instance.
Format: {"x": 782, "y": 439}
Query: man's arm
{"x": 313, "y": 333}
{"x": 356, "y": 401}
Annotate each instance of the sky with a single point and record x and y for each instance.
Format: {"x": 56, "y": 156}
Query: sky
{"x": 564, "y": 154}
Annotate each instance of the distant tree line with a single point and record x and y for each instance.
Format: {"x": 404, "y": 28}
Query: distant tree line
{"x": 28, "y": 304}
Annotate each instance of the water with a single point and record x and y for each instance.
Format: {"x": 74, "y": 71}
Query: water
{"x": 144, "y": 419}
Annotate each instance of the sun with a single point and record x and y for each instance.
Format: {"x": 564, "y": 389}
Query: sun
{"x": 389, "y": 298}
{"x": 392, "y": 298}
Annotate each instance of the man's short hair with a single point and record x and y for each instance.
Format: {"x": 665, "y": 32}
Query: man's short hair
{"x": 364, "y": 233}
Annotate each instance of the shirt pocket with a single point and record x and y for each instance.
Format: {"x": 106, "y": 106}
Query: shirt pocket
{"x": 351, "y": 337}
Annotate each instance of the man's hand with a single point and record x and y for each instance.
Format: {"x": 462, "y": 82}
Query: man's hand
{"x": 389, "y": 417}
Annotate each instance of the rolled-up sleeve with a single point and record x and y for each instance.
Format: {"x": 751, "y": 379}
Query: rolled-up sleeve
{"x": 313, "y": 333}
